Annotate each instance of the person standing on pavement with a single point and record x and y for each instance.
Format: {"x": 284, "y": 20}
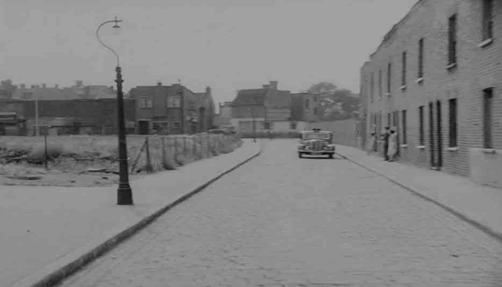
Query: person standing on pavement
{"x": 371, "y": 143}
{"x": 392, "y": 145}
{"x": 385, "y": 136}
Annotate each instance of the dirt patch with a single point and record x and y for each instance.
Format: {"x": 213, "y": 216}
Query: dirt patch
{"x": 87, "y": 161}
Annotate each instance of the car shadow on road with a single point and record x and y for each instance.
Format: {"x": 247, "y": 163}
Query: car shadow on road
{"x": 324, "y": 157}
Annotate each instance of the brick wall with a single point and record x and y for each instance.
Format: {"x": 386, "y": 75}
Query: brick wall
{"x": 477, "y": 68}
{"x": 344, "y": 131}
{"x": 88, "y": 112}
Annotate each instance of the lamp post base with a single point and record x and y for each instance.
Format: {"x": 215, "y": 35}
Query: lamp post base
{"x": 124, "y": 194}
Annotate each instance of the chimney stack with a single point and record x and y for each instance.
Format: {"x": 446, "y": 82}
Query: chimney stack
{"x": 23, "y": 86}
{"x": 208, "y": 91}
{"x": 159, "y": 83}
{"x": 80, "y": 83}
{"x": 273, "y": 84}
{"x": 44, "y": 85}
{"x": 56, "y": 86}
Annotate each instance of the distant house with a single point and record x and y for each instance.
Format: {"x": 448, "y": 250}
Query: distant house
{"x": 305, "y": 107}
{"x": 248, "y": 109}
{"x": 77, "y": 91}
{"x": 274, "y": 109}
{"x": 172, "y": 109}
{"x": 224, "y": 115}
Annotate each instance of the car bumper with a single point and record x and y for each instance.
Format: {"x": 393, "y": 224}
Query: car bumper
{"x": 312, "y": 152}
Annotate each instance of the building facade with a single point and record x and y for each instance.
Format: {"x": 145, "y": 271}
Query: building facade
{"x": 437, "y": 78}
{"x": 305, "y": 107}
{"x": 172, "y": 109}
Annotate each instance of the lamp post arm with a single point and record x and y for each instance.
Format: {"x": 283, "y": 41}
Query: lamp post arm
{"x": 104, "y": 45}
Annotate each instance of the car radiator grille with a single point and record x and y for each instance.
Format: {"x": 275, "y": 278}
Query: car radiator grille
{"x": 316, "y": 146}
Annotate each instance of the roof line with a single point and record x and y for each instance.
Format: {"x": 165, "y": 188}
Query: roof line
{"x": 388, "y": 36}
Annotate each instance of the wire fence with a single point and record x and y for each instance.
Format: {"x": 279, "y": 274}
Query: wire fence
{"x": 168, "y": 152}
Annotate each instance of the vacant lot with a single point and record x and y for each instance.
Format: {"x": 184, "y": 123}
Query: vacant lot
{"x": 93, "y": 160}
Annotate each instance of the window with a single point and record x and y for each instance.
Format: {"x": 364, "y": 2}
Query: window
{"x": 176, "y": 125}
{"x": 307, "y": 103}
{"x": 380, "y": 83}
{"x": 421, "y": 135}
{"x": 421, "y": 58}
{"x": 452, "y": 106}
{"x": 315, "y": 99}
{"x": 145, "y": 103}
{"x": 292, "y": 126}
{"x": 315, "y": 111}
{"x": 372, "y": 87}
{"x": 487, "y": 19}
{"x": 487, "y": 117}
{"x": 173, "y": 102}
{"x": 404, "y": 135}
{"x": 389, "y": 119}
{"x": 389, "y": 75}
{"x": 452, "y": 40}
{"x": 403, "y": 72}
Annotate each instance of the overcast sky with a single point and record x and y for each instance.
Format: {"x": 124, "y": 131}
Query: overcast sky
{"x": 226, "y": 44}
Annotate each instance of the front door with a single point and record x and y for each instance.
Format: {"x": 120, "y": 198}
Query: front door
{"x": 144, "y": 127}
{"x": 439, "y": 137}
{"x": 396, "y": 125}
{"x": 432, "y": 161}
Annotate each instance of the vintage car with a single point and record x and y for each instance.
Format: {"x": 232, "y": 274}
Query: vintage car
{"x": 316, "y": 142}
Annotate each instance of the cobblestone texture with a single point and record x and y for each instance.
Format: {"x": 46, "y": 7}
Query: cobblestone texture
{"x": 284, "y": 221}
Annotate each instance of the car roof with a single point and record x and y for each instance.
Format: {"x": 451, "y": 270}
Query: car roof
{"x": 322, "y": 132}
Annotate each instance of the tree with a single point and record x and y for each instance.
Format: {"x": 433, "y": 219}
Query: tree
{"x": 335, "y": 103}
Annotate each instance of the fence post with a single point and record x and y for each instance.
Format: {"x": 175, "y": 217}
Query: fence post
{"x": 208, "y": 138}
{"x": 163, "y": 152}
{"x": 184, "y": 146}
{"x": 46, "y": 156}
{"x": 194, "y": 141}
{"x": 148, "y": 159}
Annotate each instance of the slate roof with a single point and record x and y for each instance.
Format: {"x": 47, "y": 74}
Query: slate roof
{"x": 279, "y": 99}
{"x": 250, "y": 97}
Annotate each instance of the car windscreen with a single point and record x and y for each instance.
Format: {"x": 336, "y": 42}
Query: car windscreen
{"x": 311, "y": 136}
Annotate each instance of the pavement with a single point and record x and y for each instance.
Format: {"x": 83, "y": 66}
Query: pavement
{"x": 477, "y": 204}
{"x": 284, "y": 221}
{"x": 48, "y": 232}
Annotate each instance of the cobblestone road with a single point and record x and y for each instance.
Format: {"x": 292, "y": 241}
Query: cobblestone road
{"x": 284, "y": 221}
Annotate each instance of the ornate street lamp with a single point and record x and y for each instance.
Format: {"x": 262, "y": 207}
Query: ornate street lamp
{"x": 124, "y": 192}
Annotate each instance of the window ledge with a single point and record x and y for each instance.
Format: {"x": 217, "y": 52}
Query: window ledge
{"x": 489, "y": 150}
{"x": 453, "y": 148}
{"x": 403, "y": 87}
{"x": 486, "y": 42}
{"x": 404, "y": 145}
{"x": 420, "y": 147}
{"x": 419, "y": 80}
{"x": 451, "y": 66}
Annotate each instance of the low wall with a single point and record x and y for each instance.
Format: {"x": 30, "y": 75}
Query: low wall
{"x": 485, "y": 167}
{"x": 344, "y": 131}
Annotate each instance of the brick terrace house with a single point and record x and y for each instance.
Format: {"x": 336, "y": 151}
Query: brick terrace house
{"x": 172, "y": 109}
{"x": 437, "y": 77}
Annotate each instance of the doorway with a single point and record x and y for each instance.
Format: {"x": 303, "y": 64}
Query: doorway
{"x": 432, "y": 161}
{"x": 144, "y": 127}
{"x": 439, "y": 135}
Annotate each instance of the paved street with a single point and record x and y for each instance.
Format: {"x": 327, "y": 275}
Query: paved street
{"x": 284, "y": 220}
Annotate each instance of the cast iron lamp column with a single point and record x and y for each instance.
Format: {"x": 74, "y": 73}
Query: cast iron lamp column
{"x": 124, "y": 192}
